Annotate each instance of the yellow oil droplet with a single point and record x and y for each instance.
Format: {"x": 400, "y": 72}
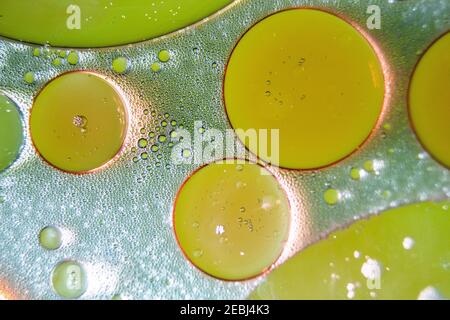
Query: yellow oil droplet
{"x": 50, "y": 238}
{"x": 318, "y": 84}
{"x": 78, "y": 122}
{"x": 36, "y": 52}
{"x": 429, "y": 97}
{"x": 331, "y": 196}
{"x": 69, "y": 280}
{"x": 226, "y": 231}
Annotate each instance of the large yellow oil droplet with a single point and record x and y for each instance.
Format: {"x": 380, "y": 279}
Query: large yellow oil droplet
{"x": 395, "y": 255}
{"x": 78, "y": 122}
{"x": 429, "y": 100}
{"x": 231, "y": 220}
{"x": 311, "y": 75}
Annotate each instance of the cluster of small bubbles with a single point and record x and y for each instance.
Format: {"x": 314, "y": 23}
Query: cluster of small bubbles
{"x": 57, "y": 57}
{"x": 152, "y": 141}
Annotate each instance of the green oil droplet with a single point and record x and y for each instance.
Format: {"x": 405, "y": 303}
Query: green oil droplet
{"x": 72, "y": 58}
{"x": 29, "y": 77}
{"x": 154, "y": 148}
{"x": 144, "y": 155}
{"x": 56, "y": 62}
{"x": 62, "y": 54}
{"x": 164, "y": 56}
{"x": 151, "y": 134}
{"x": 142, "y": 143}
{"x": 69, "y": 279}
{"x": 162, "y": 138}
{"x": 36, "y": 52}
{"x": 368, "y": 166}
{"x": 120, "y": 65}
{"x": 186, "y": 153}
{"x": 50, "y": 238}
{"x": 331, "y": 196}
{"x": 355, "y": 173}
{"x": 155, "y": 67}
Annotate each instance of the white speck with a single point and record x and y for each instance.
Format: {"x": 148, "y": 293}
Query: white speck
{"x": 220, "y": 229}
{"x": 373, "y": 294}
{"x": 408, "y": 243}
{"x": 350, "y": 290}
{"x": 371, "y": 269}
{"x": 242, "y": 253}
{"x": 356, "y": 254}
{"x": 430, "y": 293}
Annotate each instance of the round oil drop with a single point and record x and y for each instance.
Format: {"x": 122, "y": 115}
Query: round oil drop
{"x": 429, "y": 100}
{"x": 78, "y": 122}
{"x": 331, "y": 197}
{"x": 72, "y": 58}
{"x": 69, "y": 279}
{"x": 11, "y": 132}
{"x": 50, "y": 238}
{"x": 120, "y": 65}
{"x": 29, "y": 77}
{"x": 226, "y": 231}
{"x": 164, "y": 56}
{"x": 311, "y": 90}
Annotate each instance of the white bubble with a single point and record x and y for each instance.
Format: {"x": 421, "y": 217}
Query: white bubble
{"x": 430, "y": 293}
{"x": 371, "y": 269}
{"x": 408, "y": 243}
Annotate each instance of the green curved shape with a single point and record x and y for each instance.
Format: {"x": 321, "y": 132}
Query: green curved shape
{"x": 410, "y": 245}
{"x": 101, "y": 22}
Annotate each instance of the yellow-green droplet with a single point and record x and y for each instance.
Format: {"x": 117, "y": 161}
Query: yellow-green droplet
{"x": 162, "y": 138}
{"x": 155, "y": 67}
{"x": 368, "y": 166}
{"x": 142, "y": 143}
{"x": 69, "y": 279}
{"x": 36, "y": 52}
{"x": 331, "y": 196}
{"x": 186, "y": 153}
{"x": 29, "y": 77}
{"x": 72, "y": 58}
{"x": 355, "y": 173}
{"x": 56, "y": 62}
{"x": 164, "y": 56}
{"x": 120, "y": 65}
{"x": 154, "y": 148}
{"x": 62, "y": 54}
{"x": 144, "y": 155}
{"x": 50, "y": 238}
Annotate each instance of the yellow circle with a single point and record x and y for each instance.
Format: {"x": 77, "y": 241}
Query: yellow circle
{"x": 78, "y": 122}
{"x": 429, "y": 100}
{"x": 311, "y": 75}
{"x": 231, "y": 220}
